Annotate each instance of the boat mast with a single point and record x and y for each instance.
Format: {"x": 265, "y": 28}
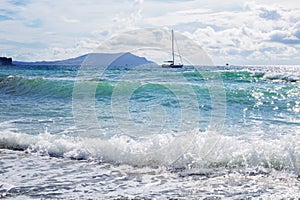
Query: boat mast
{"x": 173, "y": 47}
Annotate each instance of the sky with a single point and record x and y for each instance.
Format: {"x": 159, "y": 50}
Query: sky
{"x": 264, "y": 32}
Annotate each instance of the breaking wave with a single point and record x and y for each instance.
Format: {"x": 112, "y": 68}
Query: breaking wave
{"x": 227, "y": 152}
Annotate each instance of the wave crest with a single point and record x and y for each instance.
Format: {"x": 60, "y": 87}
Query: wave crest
{"x": 228, "y": 152}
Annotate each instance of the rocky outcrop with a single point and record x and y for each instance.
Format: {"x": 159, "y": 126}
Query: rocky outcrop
{"x": 5, "y": 61}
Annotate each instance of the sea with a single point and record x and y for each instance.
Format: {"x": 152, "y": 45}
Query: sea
{"x": 147, "y": 132}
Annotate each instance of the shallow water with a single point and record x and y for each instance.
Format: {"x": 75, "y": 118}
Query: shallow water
{"x": 34, "y": 176}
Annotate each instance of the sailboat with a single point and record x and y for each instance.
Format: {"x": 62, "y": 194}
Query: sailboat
{"x": 171, "y": 63}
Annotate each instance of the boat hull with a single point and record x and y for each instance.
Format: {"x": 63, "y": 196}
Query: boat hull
{"x": 171, "y": 66}
{"x": 176, "y": 66}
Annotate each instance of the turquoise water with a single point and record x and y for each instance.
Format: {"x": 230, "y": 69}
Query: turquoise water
{"x": 188, "y": 125}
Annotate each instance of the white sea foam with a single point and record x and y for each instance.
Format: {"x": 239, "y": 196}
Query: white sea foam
{"x": 27, "y": 176}
{"x": 283, "y": 76}
{"x": 206, "y": 151}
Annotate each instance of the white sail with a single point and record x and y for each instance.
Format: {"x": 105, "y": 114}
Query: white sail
{"x": 171, "y": 63}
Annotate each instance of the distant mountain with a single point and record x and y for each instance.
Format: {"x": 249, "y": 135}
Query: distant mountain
{"x": 111, "y": 59}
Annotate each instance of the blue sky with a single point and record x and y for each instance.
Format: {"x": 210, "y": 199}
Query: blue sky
{"x": 236, "y": 32}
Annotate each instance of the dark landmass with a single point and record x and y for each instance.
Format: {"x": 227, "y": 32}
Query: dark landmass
{"x": 5, "y": 61}
{"x": 111, "y": 59}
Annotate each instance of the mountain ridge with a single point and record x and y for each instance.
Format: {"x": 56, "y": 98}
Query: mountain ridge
{"x": 121, "y": 59}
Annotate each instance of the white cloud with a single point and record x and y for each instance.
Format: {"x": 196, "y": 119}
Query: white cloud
{"x": 257, "y": 34}
{"x": 265, "y": 31}
{"x": 68, "y": 20}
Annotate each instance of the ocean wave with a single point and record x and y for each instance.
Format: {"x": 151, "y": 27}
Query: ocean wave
{"x": 276, "y": 73}
{"x": 41, "y": 87}
{"x": 17, "y": 85}
{"x": 249, "y": 75}
{"x": 63, "y": 87}
{"x": 207, "y": 151}
{"x": 282, "y": 76}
